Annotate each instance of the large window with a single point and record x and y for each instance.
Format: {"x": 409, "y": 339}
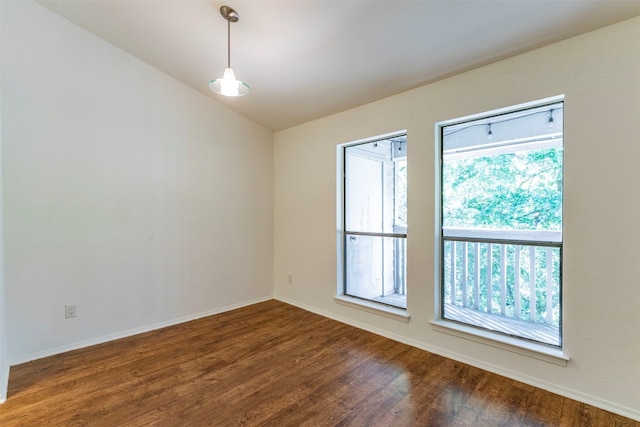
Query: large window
{"x": 500, "y": 239}
{"x": 374, "y": 220}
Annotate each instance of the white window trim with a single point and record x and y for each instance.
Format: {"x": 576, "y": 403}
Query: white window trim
{"x": 385, "y": 310}
{"x": 549, "y": 354}
{"x": 370, "y": 306}
{"x": 522, "y": 346}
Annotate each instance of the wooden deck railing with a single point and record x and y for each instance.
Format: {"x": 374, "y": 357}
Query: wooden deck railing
{"x": 505, "y": 273}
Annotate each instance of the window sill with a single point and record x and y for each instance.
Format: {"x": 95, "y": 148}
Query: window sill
{"x": 526, "y": 348}
{"x": 374, "y": 307}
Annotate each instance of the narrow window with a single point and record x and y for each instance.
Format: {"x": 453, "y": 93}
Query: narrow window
{"x": 501, "y": 221}
{"x": 374, "y": 215}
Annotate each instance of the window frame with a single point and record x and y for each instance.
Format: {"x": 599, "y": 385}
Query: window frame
{"x": 341, "y": 296}
{"x": 552, "y": 354}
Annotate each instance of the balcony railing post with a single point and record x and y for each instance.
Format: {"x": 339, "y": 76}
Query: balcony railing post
{"x": 532, "y": 283}
{"x": 465, "y": 273}
{"x": 516, "y": 282}
{"x": 489, "y": 279}
{"x": 503, "y": 279}
{"x": 476, "y": 275}
{"x": 549, "y": 308}
{"x": 453, "y": 273}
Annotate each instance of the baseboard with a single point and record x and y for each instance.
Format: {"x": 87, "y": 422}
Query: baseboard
{"x": 130, "y": 332}
{"x": 518, "y": 376}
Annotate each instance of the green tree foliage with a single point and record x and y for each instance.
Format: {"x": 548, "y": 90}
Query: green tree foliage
{"x": 518, "y": 191}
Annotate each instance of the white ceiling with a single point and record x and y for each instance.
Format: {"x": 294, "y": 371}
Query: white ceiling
{"x": 305, "y": 59}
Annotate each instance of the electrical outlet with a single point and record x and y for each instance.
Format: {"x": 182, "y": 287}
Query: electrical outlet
{"x": 290, "y": 279}
{"x": 70, "y": 310}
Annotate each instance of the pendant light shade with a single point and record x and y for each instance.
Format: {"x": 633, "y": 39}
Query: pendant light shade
{"x": 228, "y": 85}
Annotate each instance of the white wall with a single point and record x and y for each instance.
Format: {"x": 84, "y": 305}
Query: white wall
{"x": 599, "y": 74}
{"x": 125, "y": 192}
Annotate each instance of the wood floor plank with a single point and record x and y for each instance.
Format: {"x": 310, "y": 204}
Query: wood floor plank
{"x": 272, "y": 364}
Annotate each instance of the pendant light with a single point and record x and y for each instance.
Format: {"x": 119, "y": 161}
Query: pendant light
{"x": 228, "y": 85}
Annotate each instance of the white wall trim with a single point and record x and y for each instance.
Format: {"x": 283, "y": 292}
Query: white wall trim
{"x": 130, "y": 332}
{"x": 374, "y": 307}
{"x": 515, "y": 345}
{"x": 4, "y": 367}
{"x": 4, "y": 381}
{"x": 536, "y": 382}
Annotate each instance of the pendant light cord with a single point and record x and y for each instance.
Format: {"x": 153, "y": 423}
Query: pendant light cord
{"x": 228, "y": 44}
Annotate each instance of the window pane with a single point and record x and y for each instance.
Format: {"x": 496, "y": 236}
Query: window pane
{"x": 376, "y": 268}
{"x": 364, "y": 191}
{"x": 511, "y": 289}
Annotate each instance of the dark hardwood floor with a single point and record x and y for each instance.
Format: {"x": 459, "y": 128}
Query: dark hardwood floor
{"x": 272, "y": 364}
